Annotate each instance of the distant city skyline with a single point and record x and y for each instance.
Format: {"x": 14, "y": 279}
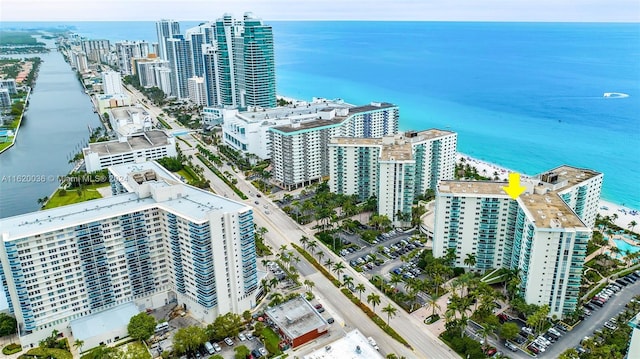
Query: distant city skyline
{"x": 421, "y": 10}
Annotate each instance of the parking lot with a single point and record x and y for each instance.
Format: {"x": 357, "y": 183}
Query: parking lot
{"x": 569, "y": 338}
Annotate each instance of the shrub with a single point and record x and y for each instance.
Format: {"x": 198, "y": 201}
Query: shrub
{"x": 11, "y": 349}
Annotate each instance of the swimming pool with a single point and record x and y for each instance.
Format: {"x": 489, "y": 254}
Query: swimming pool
{"x": 626, "y": 247}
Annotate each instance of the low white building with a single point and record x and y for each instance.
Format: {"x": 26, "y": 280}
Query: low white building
{"x": 108, "y": 101}
{"x": 129, "y": 120}
{"x": 353, "y": 345}
{"x": 104, "y": 328}
{"x": 147, "y": 145}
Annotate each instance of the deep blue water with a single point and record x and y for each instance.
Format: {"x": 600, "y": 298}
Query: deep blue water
{"x": 528, "y": 96}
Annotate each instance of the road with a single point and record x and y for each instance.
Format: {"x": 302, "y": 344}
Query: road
{"x": 282, "y": 230}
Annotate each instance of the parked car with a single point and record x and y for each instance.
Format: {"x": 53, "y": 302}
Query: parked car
{"x": 587, "y": 312}
{"x": 533, "y": 349}
{"x": 610, "y": 325}
{"x": 229, "y": 341}
{"x": 242, "y": 337}
{"x": 318, "y": 306}
{"x": 330, "y": 320}
{"x": 217, "y": 347}
{"x": 511, "y": 346}
{"x": 623, "y": 283}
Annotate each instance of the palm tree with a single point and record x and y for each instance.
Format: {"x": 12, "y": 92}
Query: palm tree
{"x": 276, "y": 298}
{"x": 320, "y": 255}
{"x": 486, "y": 331}
{"x": 374, "y": 300}
{"x": 347, "y": 281}
{"x": 632, "y": 225}
{"x": 470, "y": 261}
{"x": 391, "y": 312}
{"x": 328, "y": 263}
{"x": 338, "y": 268}
{"x": 360, "y": 288}
{"x": 312, "y": 247}
{"x": 78, "y": 344}
{"x": 378, "y": 281}
{"x": 273, "y": 282}
{"x": 304, "y": 241}
{"x": 433, "y": 304}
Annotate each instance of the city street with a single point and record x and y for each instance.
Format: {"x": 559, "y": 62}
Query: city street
{"x": 282, "y": 230}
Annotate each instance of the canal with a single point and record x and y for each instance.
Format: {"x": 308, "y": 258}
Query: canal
{"x": 55, "y": 126}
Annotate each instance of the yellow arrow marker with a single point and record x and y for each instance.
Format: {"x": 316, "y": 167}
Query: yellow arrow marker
{"x": 514, "y": 189}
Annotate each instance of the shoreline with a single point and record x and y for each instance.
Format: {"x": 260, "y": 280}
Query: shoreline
{"x": 625, "y": 215}
{"x": 606, "y": 208}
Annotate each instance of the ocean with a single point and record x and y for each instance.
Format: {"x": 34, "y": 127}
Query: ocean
{"x": 527, "y": 96}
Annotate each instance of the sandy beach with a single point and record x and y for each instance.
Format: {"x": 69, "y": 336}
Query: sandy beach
{"x": 625, "y": 215}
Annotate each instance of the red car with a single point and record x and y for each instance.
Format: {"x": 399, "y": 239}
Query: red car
{"x": 533, "y": 349}
{"x": 318, "y": 306}
{"x": 489, "y": 351}
{"x": 502, "y": 317}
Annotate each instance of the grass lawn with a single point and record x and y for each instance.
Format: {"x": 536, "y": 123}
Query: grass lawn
{"x": 4, "y": 145}
{"x": 71, "y": 196}
{"x": 189, "y": 178}
{"x": 271, "y": 341}
{"x": 50, "y": 353}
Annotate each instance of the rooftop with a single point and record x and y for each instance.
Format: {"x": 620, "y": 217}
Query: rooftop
{"x": 337, "y": 119}
{"x": 473, "y": 188}
{"x": 549, "y": 211}
{"x": 396, "y": 151}
{"x": 103, "y": 322}
{"x": 295, "y": 110}
{"x": 572, "y": 176}
{"x": 189, "y": 202}
{"x": 138, "y": 141}
{"x": 354, "y": 345}
{"x": 296, "y": 317}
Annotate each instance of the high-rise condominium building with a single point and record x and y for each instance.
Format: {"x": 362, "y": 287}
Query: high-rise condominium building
{"x": 129, "y": 50}
{"x": 179, "y": 57}
{"x": 156, "y": 241}
{"x": 299, "y": 151}
{"x": 539, "y": 234}
{"x": 197, "y": 93}
{"x": 239, "y": 65}
{"x": 394, "y": 169}
{"x": 96, "y": 50}
{"x": 111, "y": 83}
{"x": 165, "y": 29}
{"x": 248, "y": 131}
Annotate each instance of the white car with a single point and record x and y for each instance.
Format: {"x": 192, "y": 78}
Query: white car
{"x": 217, "y": 347}
{"x": 242, "y": 337}
{"x": 263, "y": 351}
{"x": 228, "y": 341}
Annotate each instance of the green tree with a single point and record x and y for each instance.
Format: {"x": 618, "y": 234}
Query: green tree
{"x": 78, "y": 345}
{"x": 391, "y": 312}
{"x": 8, "y": 324}
{"x": 241, "y": 352}
{"x": 338, "y": 268}
{"x": 570, "y": 353}
{"x": 227, "y": 325}
{"x": 433, "y": 303}
{"x": 360, "y": 288}
{"x": 374, "y": 300}
{"x": 188, "y": 339}
{"x": 470, "y": 261}
{"x": 141, "y": 326}
{"x": 509, "y": 330}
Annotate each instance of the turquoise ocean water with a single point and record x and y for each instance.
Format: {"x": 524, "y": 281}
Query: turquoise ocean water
{"x": 527, "y": 96}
